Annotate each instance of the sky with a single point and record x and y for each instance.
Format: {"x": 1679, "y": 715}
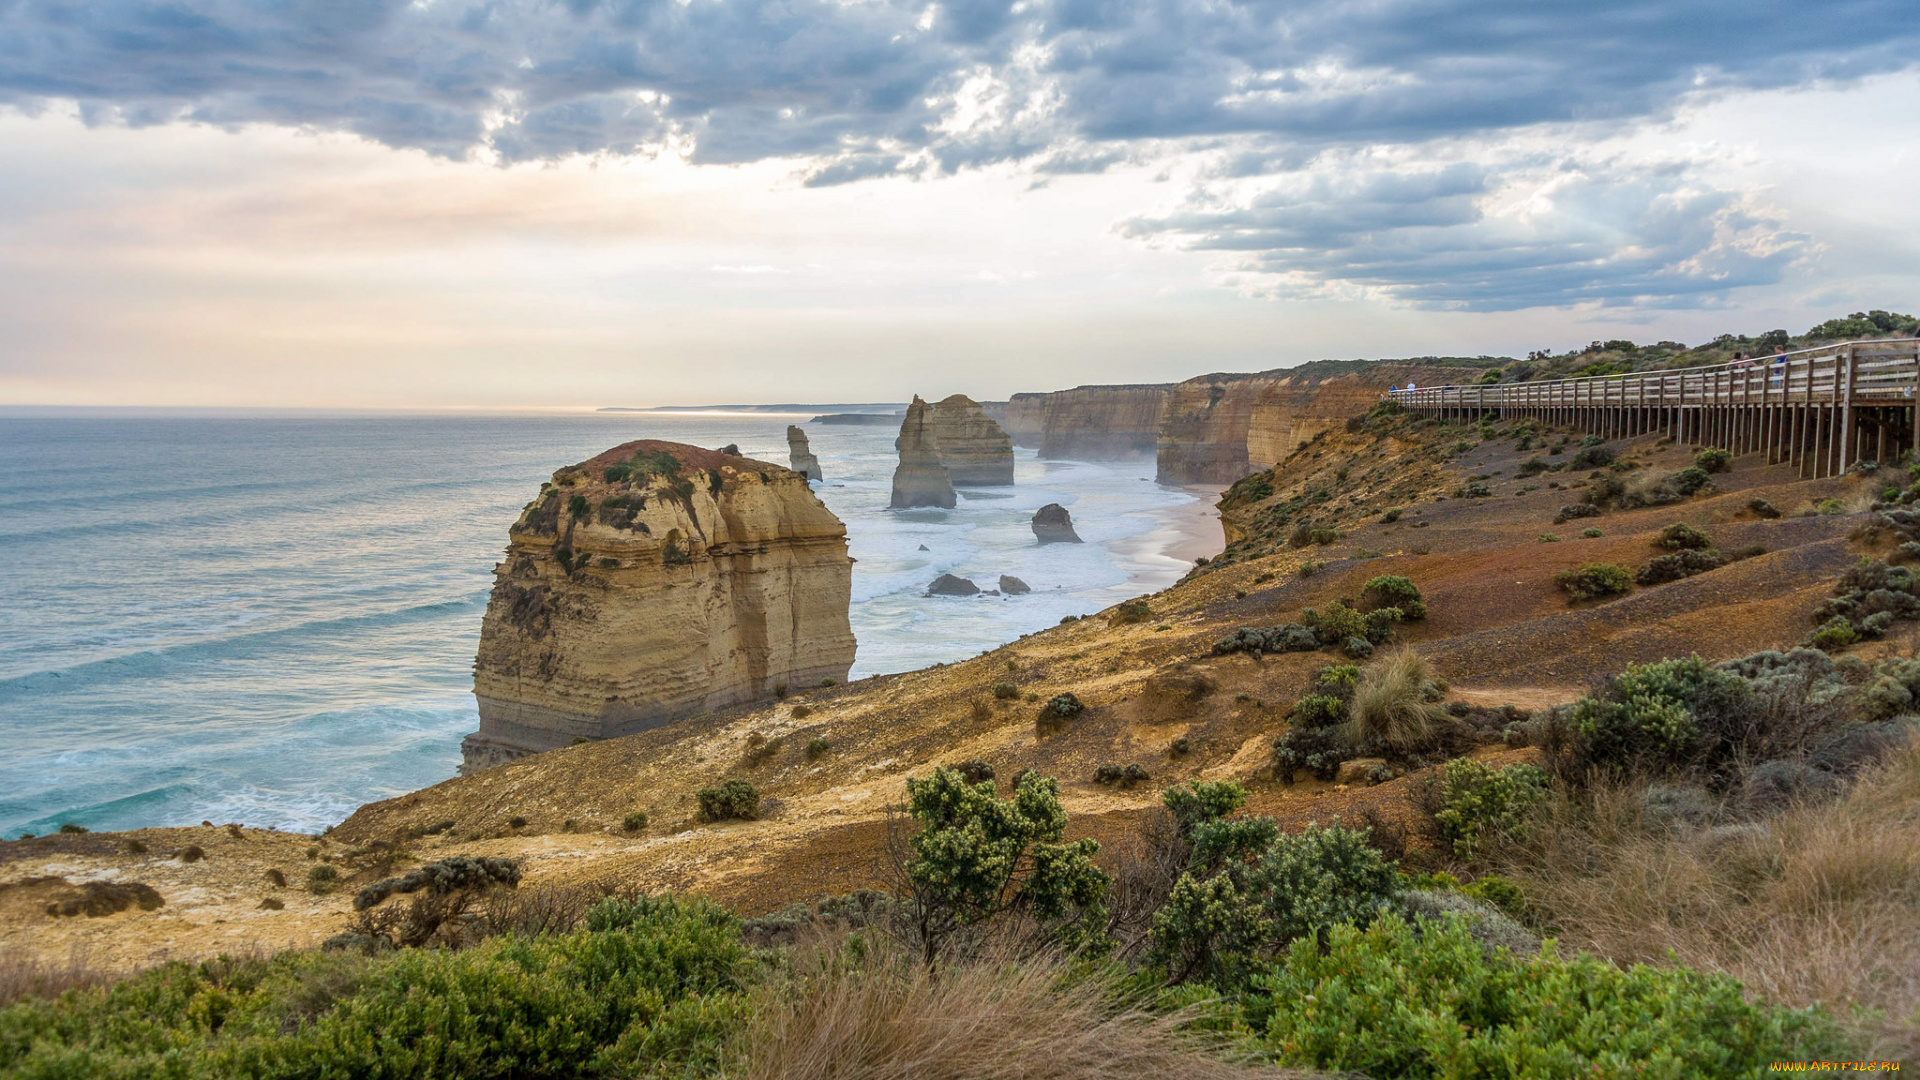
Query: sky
{"x": 566, "y": 203}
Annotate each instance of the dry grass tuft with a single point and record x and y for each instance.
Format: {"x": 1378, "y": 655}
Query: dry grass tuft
{"x": 880, "y": 1018}
{"x": 23, "y": 976}
{"x": 1394, "y": 707}
{"x": 1820, "y": 903}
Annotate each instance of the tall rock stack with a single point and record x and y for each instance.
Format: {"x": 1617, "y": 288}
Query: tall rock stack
{"x": 801, "y": 454}
{"x": 920, "y": 479}
{"x": 975, "y": 450}
{"x": 653, "y": 582}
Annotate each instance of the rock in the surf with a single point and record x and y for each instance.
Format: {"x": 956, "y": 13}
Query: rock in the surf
{"x": 975, "y": 450}
{"x": 804, "y": 462}
{"x": 1013, "y": 586}
{"x": 1053, "y": 525}
{"x": 652, "y": 582}
{"x": 920, "y": 479}
{"x": 949, "y": 585}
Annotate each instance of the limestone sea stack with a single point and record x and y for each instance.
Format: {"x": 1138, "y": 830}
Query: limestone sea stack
{"x": 804, "y": 462}
{"x": 653, "y": 582}
{"x": 975, "y": 449}
{"x": 1053, "y": 525}
{"x": 920, "y": 479}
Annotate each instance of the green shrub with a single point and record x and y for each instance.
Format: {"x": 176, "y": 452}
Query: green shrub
{"x": 975, "y": 856}
{"x": 1337, "y": 679}
{"x": 322, "y": 879}
{"x": 1592, "y": 534}
{"x": 635, "y": 821}
{"x": 1058, "y": 710}
{"x": 1202, "y": 801}
{"x": 1681, "y": 536}
{"x": 1400, "y": 1000}
{"x": 1500, "y": 892}
{"x": 1005, "y": 691}
{"x": 733, "y": 799}
{"x": 1133, "y": 611}
{"x": 817, "y": 748}
{"x": 1394, "y": 591}
{"x": 1320, "y": 751}
{"x": 454, "y": 874}
{"x": 1670, "y": 715}
{"x": 1592, "y": 457}
{"x": 1482, "y": 804}
{"x": 1321, "y": 877}
{"x": 1835, "y": 633}
{"x": 1712, "y": 459}
{"x": 1593, "y": 581}
{"x": 72, "y": 829}
{"x": 1691, "y": 479}
{"x": 1681, "y": 564}
{"x": 1533, "y": 466}
{"x": 1318, "y": 711}
{"x": 1391, "y": 515}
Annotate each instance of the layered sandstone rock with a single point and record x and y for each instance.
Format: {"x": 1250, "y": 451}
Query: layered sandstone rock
{"x": 974, "y": 449}
{"x": 920, "y": 479}
{"x": 949, "y": 585}
{"x": 1053, "y": 525}
{"x": 801, "y": 454}
{"x": 1216, "y": 429}
{"x": 1102, "y": 423}
{"x": 1026, "y": 419}
{"x": 653, "y": 582}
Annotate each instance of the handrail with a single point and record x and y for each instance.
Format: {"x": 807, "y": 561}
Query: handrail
{"x": 1747, "y": 364}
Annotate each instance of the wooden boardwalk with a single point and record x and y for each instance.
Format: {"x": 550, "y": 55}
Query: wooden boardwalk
{"x": 1823, "y": 409}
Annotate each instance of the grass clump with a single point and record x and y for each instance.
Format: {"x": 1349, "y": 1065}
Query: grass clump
{"x": 1396, "y": 707}
{"x": 1594, "y": 581}
{"x": 733, "y": 800}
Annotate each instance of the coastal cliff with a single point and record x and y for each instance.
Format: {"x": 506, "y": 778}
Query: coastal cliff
{"x": 973, "y": 448}
{"x": 920, "y": 479}
{"x": 1218, "y": 428}
{"x": 1025, "y": 419}
{"x": 655, "y": 581}
{"x": 1102, "y": 423}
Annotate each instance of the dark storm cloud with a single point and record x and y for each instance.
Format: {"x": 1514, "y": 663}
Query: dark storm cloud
{"x": 870, "y": 87}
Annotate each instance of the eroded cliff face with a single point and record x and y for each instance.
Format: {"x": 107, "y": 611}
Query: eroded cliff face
{"x": 1218, "y": 428}
{"x": 920, "y": 479}
{"x": 973, "y": 448}
{"x": 652, "y": 582}
{"x": 1102, "y": 423}
{"x": 1026, "y": 419}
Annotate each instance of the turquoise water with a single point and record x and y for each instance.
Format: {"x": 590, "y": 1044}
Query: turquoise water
{"x": 271, "y": 619}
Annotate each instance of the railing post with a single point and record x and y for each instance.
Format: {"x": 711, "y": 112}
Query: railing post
{"x": 1848, "y": 440}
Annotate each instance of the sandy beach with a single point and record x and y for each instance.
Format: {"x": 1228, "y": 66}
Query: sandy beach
{"x": 1184, "y": 533}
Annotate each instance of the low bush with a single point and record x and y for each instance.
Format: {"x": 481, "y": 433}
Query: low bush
{"x": 1058, "y": 710}
{"x": 1691, "y": 480}
{"x": 635, "y": 821}
{"x": 1318, "y": 711}
{"x": 1869, "y": 598}
{"x": 1594, "y": 581}
{"x": 653, "y": 987}
{"x": 1763, "y": 509}
{"x": 817, "y": 748}
{"x": 1390, "y": 516}
{"x": 1592, "y": 534}
{"x": 1681, "y": 564}
{"x": 1576, "y": 510}
{"x": 1681, "y": 536}
{"x": 1305, "y": 536}
{"x": 1592, "y": 457}
{"x": 458, "y": 873}
{"x": 1834, "y": 634}
{"x": 1482, "y": 804}
{"x": 192, "y": 853}
{"x": 731, "y": 800}
{"x": 1713, "y": 460}
{"x": 322, "y": 879}
{"x": 1393, "y": 591}
{"x": 1130, "y": 612}
{"x": 1531, "y": 467}
{"x": 1396, "y": 999}
{"x": 1005, "y": 691}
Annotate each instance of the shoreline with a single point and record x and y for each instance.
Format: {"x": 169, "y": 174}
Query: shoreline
{"x": 1184, "y": 533}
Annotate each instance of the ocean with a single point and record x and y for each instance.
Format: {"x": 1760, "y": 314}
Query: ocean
{"x": 271, "y": 618}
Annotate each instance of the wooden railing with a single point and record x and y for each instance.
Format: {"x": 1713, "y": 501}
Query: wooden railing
{"x": 1819, "y": 407}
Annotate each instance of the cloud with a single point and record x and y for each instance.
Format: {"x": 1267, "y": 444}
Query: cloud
{"x": 1531, "y": 231}
{"x": 858, "y": 89}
